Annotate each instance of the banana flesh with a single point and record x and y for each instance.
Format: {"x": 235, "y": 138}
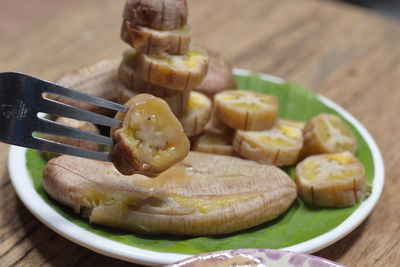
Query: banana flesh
{"x": 174, "y": 71}
{"x": 331, "y": 180}
{"x": 202, "y": 195}
{"x": 327, "y": 133}
{"x": 156, "y": 14}
{"x": 196, "y": 115}
{"x": 246, "y": 110}
{"x": 219, "y": 76}
{"x": 278, "y": 146}
{"x": 150, "y": 140}
{"x": 99, "y": 80}
{"x": 214, "y": 143}
{"x": 155, "y": 42}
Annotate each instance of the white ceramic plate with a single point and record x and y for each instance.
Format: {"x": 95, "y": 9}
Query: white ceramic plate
{"x": 32, "y": 200}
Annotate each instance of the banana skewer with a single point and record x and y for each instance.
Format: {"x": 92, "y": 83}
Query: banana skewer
{"x": 331, "y": 180}
{"x": 278, "y": 146}
{"x": 150, "y": 140}
{"x": 196, "y": 115}
{"x": 155, "y": 42}
{"x": 246, "y": 110}
{"x": 327, "y": 133}
{"x": 156, "y": 14}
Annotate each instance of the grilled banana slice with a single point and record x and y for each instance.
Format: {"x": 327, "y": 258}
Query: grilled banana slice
{"x": 150, "y": 140}
{"x": 156, "y": 14}
{"x": 202, "y": 195}
{"x": 278, "y": 146}
{"x": 214, "y": 143}
{"x": 327, "y": 133}
{"x": 174, "y": 72}
{"x": 297, "y": 124}
{"x": 246, "y": 110}
{"x": 99, "y": 80}
{"x": 219, "y": 76}
{"x": 331, "y": 180}
{"x": 155, "y": 42}
{"x": 196, "y": 115}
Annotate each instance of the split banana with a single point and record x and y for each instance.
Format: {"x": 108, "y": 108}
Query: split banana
{"x": 202, "y": 195}
{"x": 173, "y": 71}
{"x": 327, "y": 133}
{"x": 219, "y": 76}
{"x": 156, "y": 14}
{"x": 246, "y": 110}
{"x": 214, "y": 143}
{"x": 155, "y": 42}
{"x": 331, "y": 180}
{"x": 99, "y": 80}
{"x": 196, "y": 115}
{"x": 278, "y": 146}
{"x": 150, "y": 140}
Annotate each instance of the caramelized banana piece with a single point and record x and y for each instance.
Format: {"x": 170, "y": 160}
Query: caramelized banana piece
{"x": 278, "y": 146}
{"x": 196, "y": 115}
{"x": 156, "y": 14}
{"x": 155, "y": 42}
{"x": 327, "y": 133}
{"x": 99, "y": 79}
{"x": 214, "y": 143}
{"x": 246, "y": 110}
{"x": 174, "y": 72}
{"x": 219, "y": 76}
{"x": 331, "y": 180}
{"x": 150, "y": 140}
{"x": 202, "y": 195}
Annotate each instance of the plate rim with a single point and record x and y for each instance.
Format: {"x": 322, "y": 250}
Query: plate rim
{"x": 20, "y": 177}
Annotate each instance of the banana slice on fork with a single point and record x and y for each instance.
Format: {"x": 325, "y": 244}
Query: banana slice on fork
{"x": 246, "y": 110}
{"x": 331, "y": 180}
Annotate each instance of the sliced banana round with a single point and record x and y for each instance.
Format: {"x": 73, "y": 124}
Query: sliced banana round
{"x": 155, "y": 42}
{"x": 298, "y": 124}
{"x": 214, "y": 143}
{"x": 150, "y": 140}
{"x": 196, "y": 115}
{"x": 99, "y": 79}
{"x": 219, "y": 76}
{"x": 278, "y": 146}
{"x": 327, "y": 133}
{"x": 172, "y": 71}
{"x": 177, "y": 102}
{"x": 331, "y": 180}
{"x": 156, "y": 14}
{"x": 246, "y": 110}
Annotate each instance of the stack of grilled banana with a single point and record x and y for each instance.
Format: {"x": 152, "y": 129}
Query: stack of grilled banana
{"x": 162, "y": 60}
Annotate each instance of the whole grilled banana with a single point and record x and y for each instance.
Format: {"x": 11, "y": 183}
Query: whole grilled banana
{"x": 246, "y": 110}
{"x": 331, "y": 180}
{"x": 150, "y": 140}
{"x": 202, "y": 195}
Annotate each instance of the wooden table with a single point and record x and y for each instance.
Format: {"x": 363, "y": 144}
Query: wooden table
{"x": 348, "y": 54}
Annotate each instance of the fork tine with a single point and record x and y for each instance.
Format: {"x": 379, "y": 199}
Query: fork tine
{"x": 59, "y": 148}
{"x": 60, "y": 109}
{"x": 54, "y": 128}
{"x": 76, "y": 95}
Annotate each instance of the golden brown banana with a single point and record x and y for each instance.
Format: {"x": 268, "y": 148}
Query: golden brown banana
{"x": 331, "y": 180}
{"x": 156, "y": 14}
{"x": 327, "y": 133}
{"x": 174, "y": 72}
{"x": 214, "y": 143}
{"x": 219, "y": 76}
{"x": 196, "y": 115}
{"x": 99, "y": 80}
{"x": 150, "y": 140}
{"x": 155, "y": 42}
{"x": 202, "y": 195}
{"x": 278, "y": 146}
{"x": 246, "y": 110}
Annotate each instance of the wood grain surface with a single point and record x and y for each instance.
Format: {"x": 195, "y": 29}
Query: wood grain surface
{"x": 348, "y": 54}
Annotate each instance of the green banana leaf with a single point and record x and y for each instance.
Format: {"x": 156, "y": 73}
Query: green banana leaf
{"x": 300, "y": 223}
